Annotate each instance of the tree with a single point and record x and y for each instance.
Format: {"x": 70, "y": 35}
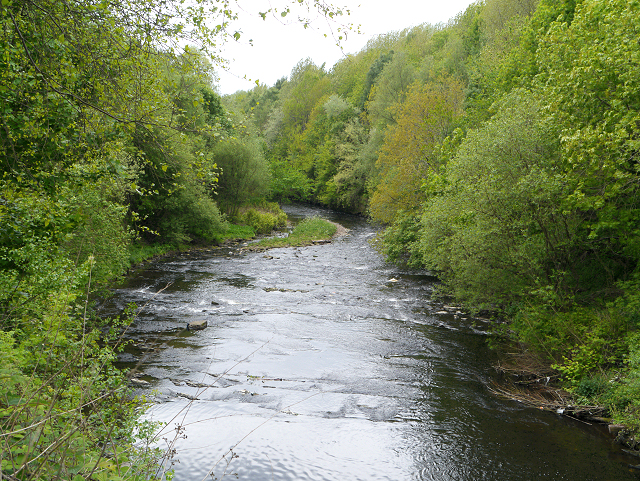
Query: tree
{"x": 390, "y": 89}
{"x": 409, "y": 150}
{"x": 308, "y": 84}
{"x": 591, "y": 81}
{"x": 492, "y": 226}
{"x": 372, "y": 75}
{"x": 244, "y": 173}
{"x": 348, "y": 76}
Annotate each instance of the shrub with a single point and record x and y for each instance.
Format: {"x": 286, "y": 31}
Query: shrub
{"x": 244, "y": 174}
{"x": 264, "y": 221}
{"x": 582, "y": 342}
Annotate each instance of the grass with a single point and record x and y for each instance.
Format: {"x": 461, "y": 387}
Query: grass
{"x": 139, "y": 252}
{"x": 239, "y": 232}
{"x": 305, "y": 233}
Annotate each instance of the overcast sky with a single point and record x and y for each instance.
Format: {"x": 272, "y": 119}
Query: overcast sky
{"x": 278, "y": 47}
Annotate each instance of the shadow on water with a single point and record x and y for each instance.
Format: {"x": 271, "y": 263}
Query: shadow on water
{"x": 325, "y": 363}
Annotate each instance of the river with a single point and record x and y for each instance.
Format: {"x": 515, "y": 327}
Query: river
{"x": 326, "y": 363}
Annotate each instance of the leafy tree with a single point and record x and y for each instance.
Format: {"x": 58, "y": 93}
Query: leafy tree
{"x": 289, "y": 183}
{"x": 591, "y": 82}
{"x": 409, "y": 151}
{"x": 244, "y": 173}
{"x": 348, "y": 76}
{"x": 372, "y": 75}
{"x": 492, "y": 226}
{"x": 348, "y": 187}
{"x": 390, "y": 89}
{"x": 308, "y": 85}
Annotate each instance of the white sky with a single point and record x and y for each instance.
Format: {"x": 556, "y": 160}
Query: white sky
{"x": 278, "y": 47}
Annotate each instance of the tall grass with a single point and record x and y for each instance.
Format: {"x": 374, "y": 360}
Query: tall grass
{"x": 307, "y": 231}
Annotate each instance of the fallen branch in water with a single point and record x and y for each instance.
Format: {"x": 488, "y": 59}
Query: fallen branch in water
{"x": 546, "y": 398}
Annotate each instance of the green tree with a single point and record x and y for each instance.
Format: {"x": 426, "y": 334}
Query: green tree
{"x": 492, "y": 225}
{"x": 390, "y": 89}
{"x": 309, "y": 84}
{"x": 409, "y": 151}
{"x": 591, "y": 81}
{"x": 244, "y": 173}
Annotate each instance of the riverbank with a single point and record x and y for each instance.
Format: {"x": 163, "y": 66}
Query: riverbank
{"x": 531, "y": 381}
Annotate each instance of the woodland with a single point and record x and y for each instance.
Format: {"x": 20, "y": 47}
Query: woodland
{"x": 499, "y": 151}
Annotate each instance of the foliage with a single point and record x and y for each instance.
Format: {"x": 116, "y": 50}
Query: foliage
{"x": 583, "y": 341}
{"x": 263, "y": 218}
{"x": 390, "y": 90}
{"x": 288, "y": 183}
{"x": 409, "y": 151}
{"x": 65, "y": 412}
{"x": 372, "y": 75}
{"x": 348, "y": 76}
{"x": 492, "y": 226}
{"x": 624, "y": 398}
{"x": 594, "y": 101}
{"x": 244, "y": 174}
{"x": 308, "y": 84}
{"x": 102, "y": 232}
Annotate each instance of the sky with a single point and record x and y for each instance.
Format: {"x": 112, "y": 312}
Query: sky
{"x": 278, "y": 47}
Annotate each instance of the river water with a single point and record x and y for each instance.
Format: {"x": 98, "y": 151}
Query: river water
{"x": 325, "y": 363}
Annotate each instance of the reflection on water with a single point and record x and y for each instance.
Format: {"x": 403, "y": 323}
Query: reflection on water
{"x": 324, "y": 363}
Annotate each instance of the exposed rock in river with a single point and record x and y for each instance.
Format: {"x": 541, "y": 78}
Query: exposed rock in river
{"x": 196, "y": 325}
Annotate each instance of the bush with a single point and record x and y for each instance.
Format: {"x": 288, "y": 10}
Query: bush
{"x": 102, "y": 233}
{"x": 265, "y": 219}
{"x": 244, "y": 174}
{"x": 582, "y": 342}
{"x": 65, "y": 411}
{"x": 623, "y": 396}
{"x": 190, "y": 215}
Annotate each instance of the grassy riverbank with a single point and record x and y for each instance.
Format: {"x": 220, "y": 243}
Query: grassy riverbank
{"x": 306, "y": 232}
{"x": 261, "y": 218}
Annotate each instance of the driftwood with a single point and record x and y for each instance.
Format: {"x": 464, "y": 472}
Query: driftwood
{"x": 531, "y": 382}
{"x": 547, "y": 398}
